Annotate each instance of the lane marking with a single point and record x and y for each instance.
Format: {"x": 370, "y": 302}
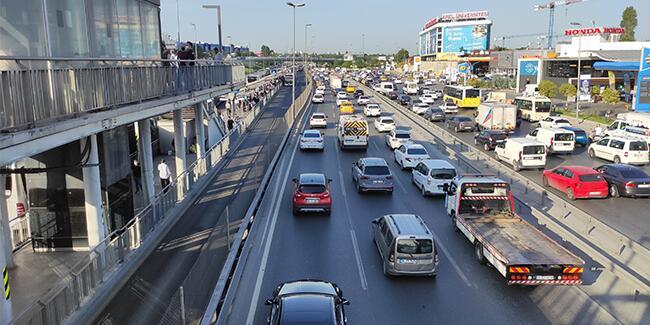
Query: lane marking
{"x": 357, "y": 255}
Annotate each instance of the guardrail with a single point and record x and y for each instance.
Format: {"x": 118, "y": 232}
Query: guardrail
{"x": 78, "y": 287}
{"x": 623, "y": 256}
{"x": 36, "y": 90}
{"x": 228, "y": 279}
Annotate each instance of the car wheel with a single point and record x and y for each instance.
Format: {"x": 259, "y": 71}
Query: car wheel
{"x": 453, "y": 224}
{"x": 478, "y": 253}
{"x": 328, "y": 212}
{"x": 544, "y": 181}
{"x": 401, "y": 164}
{"x": 456, "y": 129}
{"x": 384, "y": 268}
{"x": 358, "y": 187}
{"x": 613, "y": 191}
{"x": 516, "y": 166}
{"x": 569, "y": 194}
{"x": 592, "y": 154}
{"x": 295, "y": 211}
{"x": 423, "y": 191}
{"x": 486, "y": 147}
{"x": 617, "y": 159}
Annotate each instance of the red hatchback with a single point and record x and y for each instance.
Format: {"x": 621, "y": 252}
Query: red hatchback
{"x": 576, "y": 181}
{"x": 312, "y": 194}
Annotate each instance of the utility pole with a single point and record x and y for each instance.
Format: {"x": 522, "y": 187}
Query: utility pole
{"x": 578, "y": 92}
{"x": 178, "y": 24}
{"x": 293, "y": 58}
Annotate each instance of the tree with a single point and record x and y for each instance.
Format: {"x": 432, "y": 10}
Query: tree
{"x": 401, "y": 56}
{"x": 594, "y": 91}
{"x": 610, "y": 96}
{"x": 547, "y": 88}
{"x": 266, "y": 51}
{"x": 629, "y": 22}
{"x": 568, "y": 90}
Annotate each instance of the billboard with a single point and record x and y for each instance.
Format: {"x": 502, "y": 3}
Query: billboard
{"x": 642, "y": 100}
{"x": 466, "y": 38}
{"x": 527, "y": 73}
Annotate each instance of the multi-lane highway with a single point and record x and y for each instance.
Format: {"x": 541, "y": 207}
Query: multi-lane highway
{"x": 339, "y": 248}
{"x": 623, "y": 214}
{"x": 147, "y": 294}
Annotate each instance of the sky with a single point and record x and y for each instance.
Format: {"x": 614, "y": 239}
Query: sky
{"x": 386, "y": 25}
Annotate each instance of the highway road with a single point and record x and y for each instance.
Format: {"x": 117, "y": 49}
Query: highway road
{"x": 623, "y": 214}
{"x": 339, "y": 248}
{"x": 147, "y": 294}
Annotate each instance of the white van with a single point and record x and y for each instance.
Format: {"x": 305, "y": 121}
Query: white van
{"x": 386, "y": 87}
{"x": 411, "y": 88}
{"x": 431, "y": 175}
{"x": 496, "y": 116}
{"x": 632, "y": 125}
{"x": 555, "y": 140}
{"x": 522, "y": 153}
{"x": 631, "y": 151}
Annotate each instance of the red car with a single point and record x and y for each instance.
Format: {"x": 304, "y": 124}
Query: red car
{"x": 312, "y": 194}
{"x": 577, "y": 182}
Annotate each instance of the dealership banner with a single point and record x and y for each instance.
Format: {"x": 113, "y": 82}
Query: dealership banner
{"x": 465, "y": 38}
{"x": 583, "y": 91}
{"x": 642, "y": 100}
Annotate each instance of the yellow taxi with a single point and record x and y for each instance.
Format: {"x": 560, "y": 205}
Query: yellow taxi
{"x": 346, "y": 107}
{"x": 350, "y": 90}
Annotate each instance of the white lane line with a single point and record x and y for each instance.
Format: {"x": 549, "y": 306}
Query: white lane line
{"x": 357, "y": 254}
{"x": 269, "y": 238}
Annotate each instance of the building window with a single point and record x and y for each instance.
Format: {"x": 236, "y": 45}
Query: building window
{"x": 103, "y": 27}
{"x": 129, "y": 30}
{"x": 22, "y": 28}
{"x": 66, "y": 23}
{"x": 150, "y": 32}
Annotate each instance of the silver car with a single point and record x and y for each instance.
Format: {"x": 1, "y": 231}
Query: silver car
{"x": 372, "y": 174}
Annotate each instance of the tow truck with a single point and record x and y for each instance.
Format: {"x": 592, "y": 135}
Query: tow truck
{"x": 481, "y": 207}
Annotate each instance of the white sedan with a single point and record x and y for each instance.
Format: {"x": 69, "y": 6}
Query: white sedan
{"x": 363, "y": 100}
{"x": 311, "y": 139}
{"x": 554, "y": 122}
{"x": 384, "y": 124}
{"x": 397, "y": 138}
{"x": 410, "y": 154}
{"x": 318, "y": 120}
{"x": 428, "y": 98}
{"x": 372, "y": 110}
{"x": 341, "y": 95}
{"x": 318, "y": 98}
{"x": 420, "y": 108}
{"x": 320, "y": 90}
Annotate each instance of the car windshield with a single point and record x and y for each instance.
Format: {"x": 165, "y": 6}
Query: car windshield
{"x": 561, "y": 121}
{"x": 414, "y": 246}
{"x": 591, "y": 178}
{"x": 377, "y": 170}
{"x": 402, "y": 135}
{"x": 311, "y": 188}
{"x": 417, "y": 151}
{"x": 564, "y": 137}
{"x": 638, "y": 146}
{"x": 534, "y": 150}
{"x": 634, "y": 173}
{"x": 443, "y": 173}
{"x": 311, "y": 135}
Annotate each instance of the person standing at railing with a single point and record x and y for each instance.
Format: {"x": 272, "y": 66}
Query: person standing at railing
{"x": 164, "y": 173}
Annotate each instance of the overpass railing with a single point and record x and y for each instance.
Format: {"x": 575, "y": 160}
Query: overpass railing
{"x": 38, "y": 90}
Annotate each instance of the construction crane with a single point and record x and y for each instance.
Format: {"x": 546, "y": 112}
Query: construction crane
{"x": 551, "y": 19}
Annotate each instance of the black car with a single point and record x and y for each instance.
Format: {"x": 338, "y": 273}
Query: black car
{"x": 358, "y": 93}
{"x": 625, "y": 180}
{"x": 307, "y": 302}
{"x": 435, "y": 114}
{"x": 404, "y": 100}
{"x": 489, "y": 139}
{"x": 392, "y": 95}
{"x": 460, "y": 123}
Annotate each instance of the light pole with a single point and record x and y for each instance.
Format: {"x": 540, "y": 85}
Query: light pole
{"x": 306, "y": 25}
{"x": 293, "y": 57}
{"x": 196, "y": 54}
{"x": 178, "y": 23}
{"x": 578, "y": 92}
{"x": 218, "y": 7}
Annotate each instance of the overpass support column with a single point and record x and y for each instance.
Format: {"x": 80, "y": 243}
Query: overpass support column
{"x": 146, "y": 159}
{"x": 5, "y": 298}
{"x": 200, "y": 134}
{"x": 93, "y": 193}
{"x": 179, "y": 142}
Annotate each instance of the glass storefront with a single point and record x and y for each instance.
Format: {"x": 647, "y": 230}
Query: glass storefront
{"x": 22, "y": 28}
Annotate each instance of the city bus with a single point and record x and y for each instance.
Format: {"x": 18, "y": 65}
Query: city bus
{"x": 463, "y": 96}
{"x": 533, "y": 108}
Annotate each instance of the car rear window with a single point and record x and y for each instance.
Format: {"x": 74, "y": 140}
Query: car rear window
{"x": 564, "y": 137}
{"x": 377, "y": 170}
{"x": 443, "y": 173}
{"x": 498, "y": 136}
{"x": 417, "y": 151}
{"x": 638, "y": 146}
{"x": 415, "y": 246}
{"x": 558, "y": 121}
{"x": 311, "y": 135}
{"x": 534, "y": 150}
{"x": 387, "y": 121}
{"x": 591, "y": 178}
{"x": 402, "y": 135}
{"x": 464, "y": 119}
{"x": 633, "y": 173}
{"x": 318, "y": 116}
{"x": 312, "y": 189}
{"x": 580, "y": 133}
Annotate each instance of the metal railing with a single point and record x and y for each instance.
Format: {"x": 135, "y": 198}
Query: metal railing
{"x": 34, "y": 91}
{"x": 90, "y": 272}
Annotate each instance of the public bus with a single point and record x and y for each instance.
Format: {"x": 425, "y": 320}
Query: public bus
{"x": 462, "y": 96}
{"x": 533, "y": 108}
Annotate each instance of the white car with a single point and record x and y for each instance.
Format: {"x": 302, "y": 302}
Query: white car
{"x": 363, "y": 100}
{"x": 620, "y": 150}
{"x": 318, "y": 120}
{"x": 372, "y": 109}
{"x": 320, "y": 90}
{"x": 554, "y": 122}
{"x": 428, "y": 83}
{"x": 420, "y": 108}
{"x": 410, "y": 154}
{"x": 341, "y": 100}
{"x": 428, "y": 99}
{"x": 431, "y": 175}
{"x": 449, "y": 107}
{"x": 398, "y": 81}
{"x": 384, "y": 124}
{"x": 311, "y": 139}
{"x": 397, "y": 138}
{"x": 318, "y": 99}
{"x": 341, "y": 95}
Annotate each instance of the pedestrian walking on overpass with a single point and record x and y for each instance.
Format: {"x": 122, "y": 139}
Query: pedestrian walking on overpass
{"x": 165, "y": 174}
{"x": 137, "y": 175}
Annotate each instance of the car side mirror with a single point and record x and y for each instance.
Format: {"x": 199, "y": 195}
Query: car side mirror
{"x": 294, "y": 180}
{"x": 345, "y": 302}
{"x": 268, "y": 302}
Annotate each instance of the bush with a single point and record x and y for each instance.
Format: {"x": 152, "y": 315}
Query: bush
{"x": 503, "y": 82}
{"x": 611, "y": 96}
{"x": 594, "y": 91}
{"x": 568, "y": 90}
{"x": 547, "y": 88}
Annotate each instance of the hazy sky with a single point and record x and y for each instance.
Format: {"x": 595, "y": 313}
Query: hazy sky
{"x": 337, "y": 25}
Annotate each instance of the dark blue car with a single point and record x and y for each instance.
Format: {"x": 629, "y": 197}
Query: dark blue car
{"x": 582, "y": 139}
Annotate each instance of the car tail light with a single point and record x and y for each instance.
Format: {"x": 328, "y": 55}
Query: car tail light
{"x": 325, "y": 194}
{"x": 391, "y": 256}
{"x": 490, "y": 139}
{"x": 389, "y": 177}
{"x": 552, "y": 140}
{"x": 365, "y": 177}
{"x": 630, "y": 185}
{"x": 520, "y": 155}
{"x": 20, "y": 209}
{"x": 298, "y": 195}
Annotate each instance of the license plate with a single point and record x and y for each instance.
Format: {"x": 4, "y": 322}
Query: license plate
{"x": 594, "y": 193}
{"x": 378, "y": 182}
{"x": 544, "y": 277}
{"x": 311, "y": 200}
{"x": 405, "y": 261}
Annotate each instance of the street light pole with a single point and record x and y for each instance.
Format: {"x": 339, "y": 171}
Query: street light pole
{"x": 293, "y": 58}
{"x": 306, "y": 25}
{"x": 218, "y": 7}
{"x": 196, "y": 54}
{"x": 178, "y": 23}
{"x": 578, "y": 92}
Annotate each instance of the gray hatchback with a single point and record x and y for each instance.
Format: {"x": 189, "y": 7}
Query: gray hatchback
{"x": 372, "y": 174}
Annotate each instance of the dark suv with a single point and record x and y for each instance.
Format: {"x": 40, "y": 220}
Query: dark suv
{"x": 461, "y": 123}
{"x": 489, "y": 139}
{"x": 434, "y": 114}
{"x": 404, "y": 100}
{"x": 307, "y": 302}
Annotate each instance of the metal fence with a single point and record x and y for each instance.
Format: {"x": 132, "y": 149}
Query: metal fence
{"x": 91, "y": 272}
{"x": 35, "y": 91}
